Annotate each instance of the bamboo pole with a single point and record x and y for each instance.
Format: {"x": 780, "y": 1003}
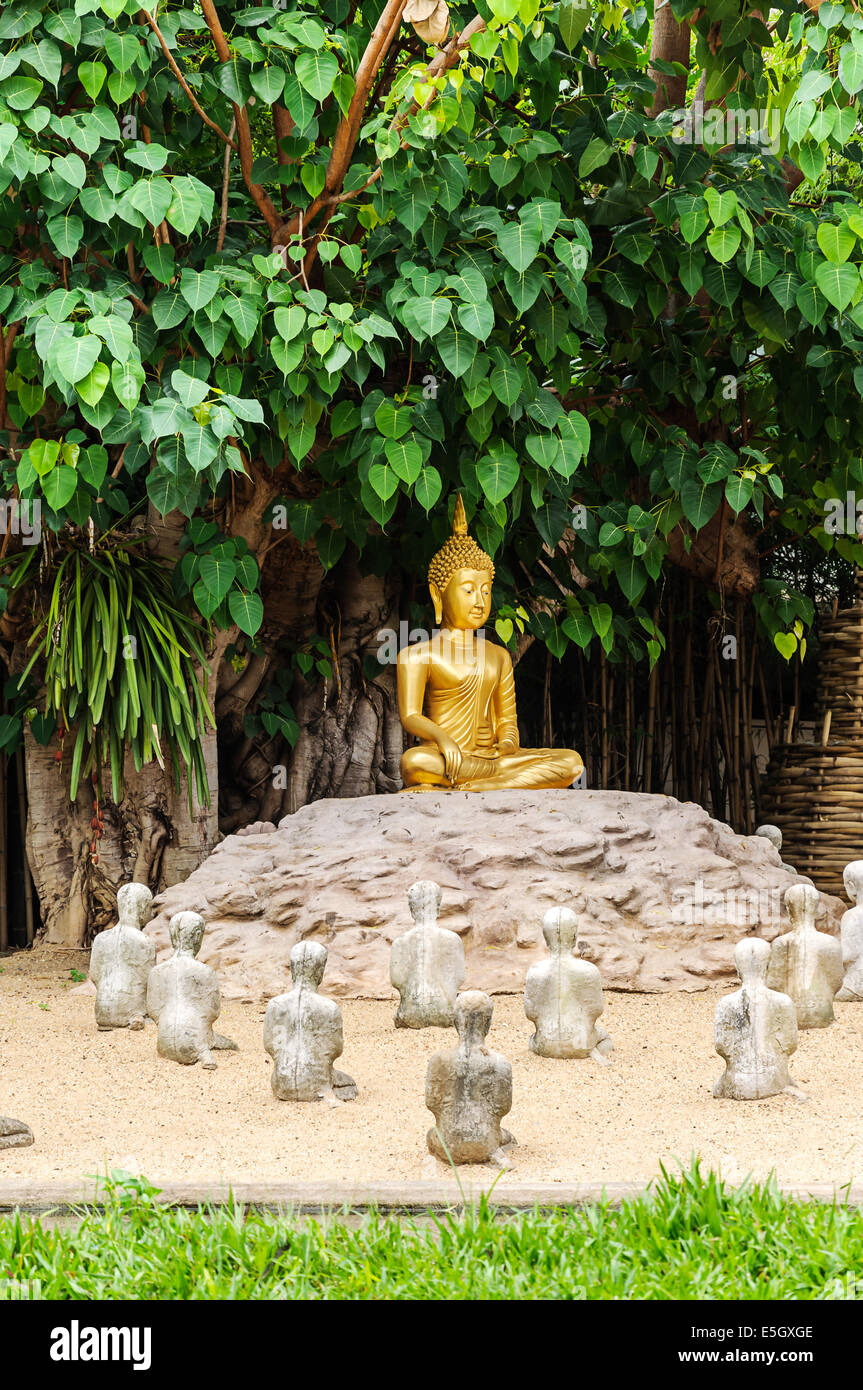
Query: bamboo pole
{"x": 4, "y": 857}
{"x": 603, "y": 716}
{"x": 627, "y": 716}
{"x": 22, "y": 818}
{"x": 584, "y": 718}
{"x": 688, "y": 702}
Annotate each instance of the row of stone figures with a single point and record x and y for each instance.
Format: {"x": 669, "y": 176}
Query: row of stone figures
{"x": 562, "y": 995}
{"x": 468, "y": 1089}
{"x": 786, "y": 986}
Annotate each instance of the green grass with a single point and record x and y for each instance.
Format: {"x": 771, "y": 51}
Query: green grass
{"x": 693, "y": 1237}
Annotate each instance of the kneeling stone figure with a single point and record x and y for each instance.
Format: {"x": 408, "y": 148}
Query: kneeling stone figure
{"x": 469, "y": 1090}
{"x": 755, "y": 1031}
{"x": 851, "y": 933}
{"x": 183, "y": 997}
{"x": 806, "y": 964}
{"x": 426, "y": 964}
{"x": 121, "y": 960}
{"x": 563, "y": 995}
{"x": 303, "y": 1034}
{"x": 14, "y": 1134}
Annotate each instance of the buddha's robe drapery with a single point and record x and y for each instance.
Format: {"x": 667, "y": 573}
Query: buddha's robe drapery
{"x": 475, "y": 705}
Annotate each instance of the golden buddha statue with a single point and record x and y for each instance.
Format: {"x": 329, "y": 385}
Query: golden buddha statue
{"x": 457, "y": 692}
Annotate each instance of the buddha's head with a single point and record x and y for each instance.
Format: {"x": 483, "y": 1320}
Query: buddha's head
{"x": 460, "y": 579}
{"x": 134, "y": 905}
{"x": 187, "y": 932}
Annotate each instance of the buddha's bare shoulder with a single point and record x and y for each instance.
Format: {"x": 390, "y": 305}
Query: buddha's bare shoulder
{"x": 416, "y": 654}
{"x": 498, "y": 657}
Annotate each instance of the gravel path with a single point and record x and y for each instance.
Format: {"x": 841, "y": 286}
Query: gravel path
{"x": 97, "y": 1101}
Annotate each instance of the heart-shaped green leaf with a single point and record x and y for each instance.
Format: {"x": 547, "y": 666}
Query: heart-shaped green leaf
{"x": 59, "y": 486}
{"x": 836, "y": 240}
{"x": 497, "y": 475}
{"x": 94, "y": 384}
{"x": 785, "y": 643}
{"x": 428, "y": 488}
{"x": 837, "y": 283}
{"x": 405, "y": 458}
{"x": 75, "y": 357}
{"x": 519, "y": 244}
{"x": 218, "y": 573}
{"x": 317, "y": 72}
{"x": 247, "y": 611}
{"x": 721, "y": 206}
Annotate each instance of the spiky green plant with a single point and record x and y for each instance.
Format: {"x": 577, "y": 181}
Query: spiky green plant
{"x": 124, "y": 665}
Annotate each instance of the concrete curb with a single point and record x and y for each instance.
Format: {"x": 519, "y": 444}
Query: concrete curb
{"x": 394, "y": 1197}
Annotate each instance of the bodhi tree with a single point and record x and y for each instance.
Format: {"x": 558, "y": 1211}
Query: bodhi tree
{"x": 275, "y": 282}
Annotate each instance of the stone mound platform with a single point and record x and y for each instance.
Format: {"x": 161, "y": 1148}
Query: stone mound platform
{"x": 666, "y": 891}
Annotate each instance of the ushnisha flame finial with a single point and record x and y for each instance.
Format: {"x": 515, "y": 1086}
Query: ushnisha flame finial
{"x": 460, "y": 552}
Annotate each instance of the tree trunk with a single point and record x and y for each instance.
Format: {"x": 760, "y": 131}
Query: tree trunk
{"x": 351, "y": 738}
{"x": 349, "y": 744}
{"x": 150, "y": 838}
{"x": 671, "y": 44}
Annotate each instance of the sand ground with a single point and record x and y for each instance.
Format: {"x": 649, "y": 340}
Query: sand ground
{"x": 97, "y": 1101}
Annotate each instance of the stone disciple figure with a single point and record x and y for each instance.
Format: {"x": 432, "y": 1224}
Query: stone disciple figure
{"x": 563, "y": 995}
{"x": 121, "y": 961}
{"x": 457, "y": 693}
{"x": 773, "y": 835}
{"x": 14, "y": 1134}
{"x": 851, "y": 932}
{"x": 426, "y": 964}
{"x": 806, "y": 964}
{"x": 469, "y": 1090}
{"x": 303, "y": 1034}
{"x": 183, "y": 997}
{"x": 755, "y": 1031}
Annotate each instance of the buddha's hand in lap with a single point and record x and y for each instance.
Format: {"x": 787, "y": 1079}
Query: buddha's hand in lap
{"x": 452, "y": 756}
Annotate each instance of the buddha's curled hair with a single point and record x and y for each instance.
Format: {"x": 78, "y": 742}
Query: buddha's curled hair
{"x": 461, "y": 552}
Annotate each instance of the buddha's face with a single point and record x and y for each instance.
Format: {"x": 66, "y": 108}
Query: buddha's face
{"x": 466, "y": 602}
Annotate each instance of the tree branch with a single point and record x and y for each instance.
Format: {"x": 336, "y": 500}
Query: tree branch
{"x": 348, "y": 129}
{"x": 443, "y": 60}
{"x": 182, "y": 81}
{"x": 223, "y": 220}
{"x": 670, "y": 44}
{"x": 260, "y": 195}
{"x": 5, "y": 349}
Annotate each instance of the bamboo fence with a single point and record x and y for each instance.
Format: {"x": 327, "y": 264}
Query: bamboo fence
{"x": 814, "y": 791}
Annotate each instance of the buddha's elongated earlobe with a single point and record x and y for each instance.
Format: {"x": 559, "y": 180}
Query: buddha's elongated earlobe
{"x": 437, "y": 601}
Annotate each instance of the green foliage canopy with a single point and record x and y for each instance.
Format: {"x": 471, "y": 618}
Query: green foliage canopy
{"x": 518, "y": 283}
